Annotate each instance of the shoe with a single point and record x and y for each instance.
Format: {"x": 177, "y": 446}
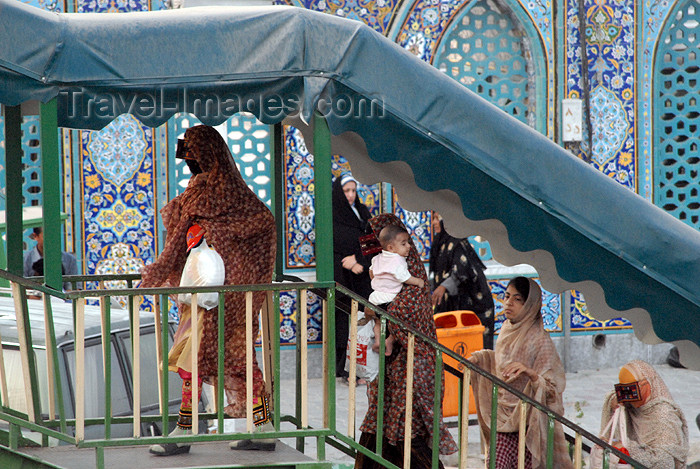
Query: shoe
{"x": 171, "y": 449}
{"x": 259, "y": 444}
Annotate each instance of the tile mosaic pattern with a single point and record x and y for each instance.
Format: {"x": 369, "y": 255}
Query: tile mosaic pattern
{"x": 483, "y": 50}
{"x": 377, "y": 14}
{"x": 425, "y": 28}
{"x": 249, "y": 142}
{"x": 581, "y": 319}
{"x": 676, "y": 119}
{"x": 111, "y": 6}
{"x": 289, "y": 310}
{"x": 609, "y": 35}
{"x": 31, "y": 167}
{"x": 299, "y": 196}
{"x": 118, "y": 206}
{"x": 418, "y": 226}
{"x": 653, "y": 14}
{"x": 422, "y": 30}
{"x": 48, "y": 5}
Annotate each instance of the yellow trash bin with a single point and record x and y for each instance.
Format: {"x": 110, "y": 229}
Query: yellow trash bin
{"x": 461, "y": 332}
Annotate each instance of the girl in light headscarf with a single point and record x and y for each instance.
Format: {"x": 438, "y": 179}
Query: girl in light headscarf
{"x": 526, "y": 359}
{"x": 657, "y": 432}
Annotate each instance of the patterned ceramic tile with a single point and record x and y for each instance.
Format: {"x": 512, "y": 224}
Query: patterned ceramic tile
{"x": 299, "y": 195}
{"x": 653, "y": 14}
{"x": 289, "y": 311}
{"x": 609, "y": 35}
{"x": 581, "y": 318}
{"x": 111, "y": 6}
{"x": 118, "y": 204}
{"x": 48, "y": 5}
{"x": 418, "y": 226}
{"x": 377, "y": 14}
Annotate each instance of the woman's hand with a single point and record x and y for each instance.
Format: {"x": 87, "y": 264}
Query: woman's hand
{"x": 349, "y": 262}
{"x": 438, "y": 295}
{"x": 513, "y": 370}
{"x": 357, "y": 269}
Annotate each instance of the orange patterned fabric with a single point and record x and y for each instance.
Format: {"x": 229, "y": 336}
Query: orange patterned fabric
{"x": 242, "y": 230}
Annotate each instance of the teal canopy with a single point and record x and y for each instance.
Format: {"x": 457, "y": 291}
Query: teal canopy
{"x": 535, "y": 202}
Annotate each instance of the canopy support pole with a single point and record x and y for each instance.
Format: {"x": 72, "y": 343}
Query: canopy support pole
{"x": 323, "y": 199}
{"x": 277, "y": 200}
{"x": 13, "y": 185}
{"x": 51, "y": 194}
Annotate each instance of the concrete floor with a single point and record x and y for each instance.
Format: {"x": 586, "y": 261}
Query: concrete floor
{"x": 583, "y": 399}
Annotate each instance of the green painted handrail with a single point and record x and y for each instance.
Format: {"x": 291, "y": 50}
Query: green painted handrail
{"x": 328, "y": 435}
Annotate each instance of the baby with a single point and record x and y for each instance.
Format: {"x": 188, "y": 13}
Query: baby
{"x": 389, "y": 271}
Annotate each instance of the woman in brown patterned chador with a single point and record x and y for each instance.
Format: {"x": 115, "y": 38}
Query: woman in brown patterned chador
{"x": 242, "y": 230}
{"x": 412, "y": 305}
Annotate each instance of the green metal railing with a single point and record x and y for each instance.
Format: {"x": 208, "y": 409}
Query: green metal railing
{"x": 59, "y": 426}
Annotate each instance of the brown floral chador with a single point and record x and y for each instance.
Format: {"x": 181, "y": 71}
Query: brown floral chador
{"x": 411, "y": 305}
{"x": 242, "y": 230}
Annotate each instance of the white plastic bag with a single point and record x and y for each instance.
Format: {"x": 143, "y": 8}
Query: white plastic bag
{"x": 617, "y": 424}
{"x": 367, "y": 359}
{"x": 204, "y": 267}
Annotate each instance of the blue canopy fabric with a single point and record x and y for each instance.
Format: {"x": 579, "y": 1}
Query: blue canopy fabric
{"x": 283, "y": 62}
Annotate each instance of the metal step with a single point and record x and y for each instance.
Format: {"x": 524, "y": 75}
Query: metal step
{"x": 201, "y": 456}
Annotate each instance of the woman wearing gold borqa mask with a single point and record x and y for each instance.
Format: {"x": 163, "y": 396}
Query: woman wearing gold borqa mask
{"x": 657, "y": 432}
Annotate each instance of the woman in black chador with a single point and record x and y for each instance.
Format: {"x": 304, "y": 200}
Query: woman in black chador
{"x": 350, "y": 267}
{"x": 458, "y": 279}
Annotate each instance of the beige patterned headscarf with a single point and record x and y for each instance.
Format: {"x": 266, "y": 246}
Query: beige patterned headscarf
{"x": 657, "y": 430}
{"x": 526, "y": 342}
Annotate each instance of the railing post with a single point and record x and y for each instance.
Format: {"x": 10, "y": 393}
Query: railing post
{"x": 165, "y": 390}
{"x": 578, "y": 443}
{"x": 494, "y": 426}
{"x": 352, "y": 378}
{"x": 437, "y": 407}
{"x": 220, "y": 365}
{"x": 249, "y": 350}
{"x": 24, "y": 332}
{"x": 380, "y": 386}
{"x": 299, "y": 376}
{"x": 324, "y": 360}
{"x": 408, "y": 423}
{"x": 194, "y": 340}
{"x": 276, "y": 358}
{"x": 522, "y": 429}
{"x": 106, "y": 322}
{"x": 135, "y": 324}
{"x": 550, "y": 441}
{"x": 80, "y": 370}
{"x": 304, "y": 398}
{"x": 162, "y": 405}
{"x": 464, "y": 422}
{"x": 329, "y": 320}
{"x": 4, "y": 396}
{"x": 55, "y": 387}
